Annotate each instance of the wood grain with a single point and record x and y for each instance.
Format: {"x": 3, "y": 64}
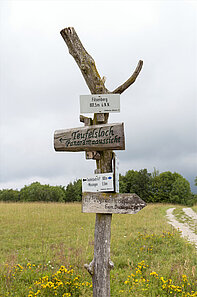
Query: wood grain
{"x": 110, "y": 203}
{"x": 90, "y": 138}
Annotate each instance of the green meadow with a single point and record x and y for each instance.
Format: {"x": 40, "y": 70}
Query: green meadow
{"x": 43, "y": 249}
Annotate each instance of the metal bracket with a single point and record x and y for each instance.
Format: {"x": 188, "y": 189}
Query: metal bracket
{"x": 100, "y": 117}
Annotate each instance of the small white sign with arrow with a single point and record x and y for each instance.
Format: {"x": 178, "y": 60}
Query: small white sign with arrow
{"x": 102, "y": 182}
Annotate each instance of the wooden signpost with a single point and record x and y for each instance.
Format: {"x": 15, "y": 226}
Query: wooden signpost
{"x": 115, "y": 167}
{"x": 98, "y": 139}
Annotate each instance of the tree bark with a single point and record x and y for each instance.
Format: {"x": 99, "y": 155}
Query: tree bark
{"x": 102, "y": 239}
{"x": 84, "y": 61}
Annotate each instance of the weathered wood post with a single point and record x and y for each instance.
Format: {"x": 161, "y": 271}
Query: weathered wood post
{"x": 69, "y": 140}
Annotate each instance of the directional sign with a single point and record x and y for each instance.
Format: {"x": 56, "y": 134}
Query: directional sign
{"x": 102, "y": 103}
{"x": 111, "y": 203}
{"x": 98, "y": 183}
{"x": 90, "y": 138}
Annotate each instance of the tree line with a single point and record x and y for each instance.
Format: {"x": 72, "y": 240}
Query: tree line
{"x": 44, "y": 193}
{"x": 165, "y": 187}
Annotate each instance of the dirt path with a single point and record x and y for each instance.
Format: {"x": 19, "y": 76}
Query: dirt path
{"x": 190, "y": 213}
{"x": 184, "y": 228}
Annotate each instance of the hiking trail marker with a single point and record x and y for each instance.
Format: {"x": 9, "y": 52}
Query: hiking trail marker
{"x": 98, "y": 139}
{"x": 103, "y": 182}
{"x": 90, "y": 138}
{"x": 100, "y": 103}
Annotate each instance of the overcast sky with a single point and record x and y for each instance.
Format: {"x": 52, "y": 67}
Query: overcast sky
{"x": 40, "y": 85}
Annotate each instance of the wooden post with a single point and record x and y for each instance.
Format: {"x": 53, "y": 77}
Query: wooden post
{"x": 102, "y": 240}
{"x": 100, "y": 267}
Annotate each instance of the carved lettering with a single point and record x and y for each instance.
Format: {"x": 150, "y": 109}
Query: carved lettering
{"x": 99, "y": 137}
{"x": 111, "y": 203}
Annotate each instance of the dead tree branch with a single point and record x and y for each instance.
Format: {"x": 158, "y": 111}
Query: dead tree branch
{"x": 130, "y": 81}
{"x": 84, "y": 61}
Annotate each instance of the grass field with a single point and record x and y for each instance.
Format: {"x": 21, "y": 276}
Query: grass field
{"x": 195, "y": 208}
{"x": 39, "y": 243}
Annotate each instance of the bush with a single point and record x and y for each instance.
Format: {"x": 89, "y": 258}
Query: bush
{"x": 9, "y": 195}
{"x": 38, "y": 192}
{"x": 166, "y": 187}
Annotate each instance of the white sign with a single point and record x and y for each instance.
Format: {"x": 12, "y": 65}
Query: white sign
{"x": 102, "y": 103}
{"x": 98, "y": 183}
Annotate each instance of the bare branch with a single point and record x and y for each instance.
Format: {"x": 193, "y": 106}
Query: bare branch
{"x": 90, "y": 267}
{"x": 84, "y": 61}
{"x": 130, "y": 81}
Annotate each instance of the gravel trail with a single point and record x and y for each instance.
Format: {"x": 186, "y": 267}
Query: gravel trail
{"x": 190, "y": 213}
{"x": 184, "y": 228}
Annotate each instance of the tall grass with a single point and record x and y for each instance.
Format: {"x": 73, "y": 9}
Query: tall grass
{"x": 44, "y": 237}
{"x": 195, "y": 208}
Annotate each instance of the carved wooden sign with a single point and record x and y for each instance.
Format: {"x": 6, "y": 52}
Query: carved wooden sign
{"x": 101, "y": 103}
{"x": 110, "y": 203}
{"x": 91, "y": 138}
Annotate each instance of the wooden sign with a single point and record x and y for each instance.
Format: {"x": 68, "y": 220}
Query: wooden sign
{"x": 102, "y": 103}
{"x": 109, "y": 203}
{"x": 102, "y": 182}
{"x": 91, "y": 138}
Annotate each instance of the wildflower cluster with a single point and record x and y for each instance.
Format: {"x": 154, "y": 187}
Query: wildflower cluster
{"x": 149, "y": 243}
{"x": 29, "y": 280}
{"x": 147, "y": 283}
{"x": 164, "y": 234}
{"x": 12, "y": 273}
{"x": 63, "y": 283}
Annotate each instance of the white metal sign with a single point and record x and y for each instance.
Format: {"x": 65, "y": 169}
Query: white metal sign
{"x": 102, "y": 103}
{"x": 98, "y": 183}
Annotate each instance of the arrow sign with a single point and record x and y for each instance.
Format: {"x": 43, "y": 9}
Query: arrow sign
{"x": 102, "y": 182}
{"x": 111, "y": 203}
{"x": 90, "y": 138}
